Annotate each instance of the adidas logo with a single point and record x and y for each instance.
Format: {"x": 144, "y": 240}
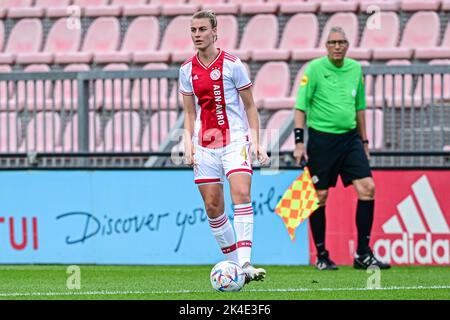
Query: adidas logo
{"x": 425, "y": 235}
{"x": 195, "y": 77}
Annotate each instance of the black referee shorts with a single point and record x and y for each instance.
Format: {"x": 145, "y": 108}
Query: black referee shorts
{"x": 331, "y": 155}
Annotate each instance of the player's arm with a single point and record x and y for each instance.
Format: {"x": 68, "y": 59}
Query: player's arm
{"x": 360, "y": 105}
{"x": 304, "y": 94}
{"x": 189, "y": 122}
{"x": 253, "y": 121}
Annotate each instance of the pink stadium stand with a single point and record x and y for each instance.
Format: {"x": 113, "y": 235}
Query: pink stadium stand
{"x": 383, "y": 5}
{"x": 2, "y": 35}
{"x": 9, "y": 127}
{"x": 6, "y": 91}
{"x": 218, "y": 6}
{"x": 43, "y": 133}
{"x": 368, "y": 79}
{"x": 337, "y": 5}
{"x": 381, "y": 31}
{"x": 271, "y": 83}
{"x": 33, "y": 94}
{"x": 253, "y": 40}
{"x": 25, "y": 37}
{"x": 288, "y": 102}
{"x": 296, "y": 6}
{"x": 433, "y": 91}
{"x": 135, "y": 41}
{"x": 103, "y": 35}
{"x": 59, "y": 8}
{"x": 176, "y": 41}
{"x": 390, "y": 91}
{"x": 97, "y": 8}
{"x": 122, "y": 133}
{"x": 255, "y": 6}
{"x": 271, "y": 131}
{"x": 145, "y": 94}
{"x": 66, "y": 92}
{"x": 417, "y": 5}
{"x": 445, "y": 5}
{"x": 157, "y": 130}
{"x": 70, "y": 140}
{"x": 374, "y": 119}
{"x": 176, "y": 7}
{"x": 22, "y": 9}
{"x": 348, "y": 21}
{"x": 109, "y": 93}
{"x": 292, "y": 39}
{"x": 414, "y": 36}
{"x": 227, "y": 33}
{"x": 443, "y": 51}
{"x": 137, "y": 7}
{"x": 60, "y": 40}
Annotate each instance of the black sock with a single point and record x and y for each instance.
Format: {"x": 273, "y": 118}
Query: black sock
{"x": 364, "y": 220}
{"x": 317, "y": 223}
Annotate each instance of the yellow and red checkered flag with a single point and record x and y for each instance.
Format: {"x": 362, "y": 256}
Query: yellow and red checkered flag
{"x": 298, "y": 202}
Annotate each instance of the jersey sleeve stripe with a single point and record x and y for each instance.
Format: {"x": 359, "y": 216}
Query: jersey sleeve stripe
{"x": 245, "y": 87}
{"x": 186, "y": 93}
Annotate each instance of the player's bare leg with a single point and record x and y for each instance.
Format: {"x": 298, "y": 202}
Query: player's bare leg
{"x": 221, "y": 227}
{"x": 240, "y": 185}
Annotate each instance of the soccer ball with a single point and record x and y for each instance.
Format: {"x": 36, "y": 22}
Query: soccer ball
{"x": 227, "y": 276}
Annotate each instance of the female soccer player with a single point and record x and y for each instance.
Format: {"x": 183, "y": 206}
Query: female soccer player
{"x": 217, "y": 140}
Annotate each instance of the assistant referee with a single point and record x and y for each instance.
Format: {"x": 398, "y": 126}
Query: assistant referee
{"x": 331, "y": 95}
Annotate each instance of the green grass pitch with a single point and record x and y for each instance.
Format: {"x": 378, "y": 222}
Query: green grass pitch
{"x": 192, "y": 282}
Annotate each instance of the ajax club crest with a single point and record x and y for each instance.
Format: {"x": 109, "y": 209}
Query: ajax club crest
{"x": 215, "y": 74}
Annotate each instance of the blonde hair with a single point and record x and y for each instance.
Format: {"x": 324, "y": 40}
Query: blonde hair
{"x": 207, "y": 14}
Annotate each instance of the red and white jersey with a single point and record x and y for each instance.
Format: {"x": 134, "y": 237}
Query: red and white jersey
{"x": 221, "y": 117}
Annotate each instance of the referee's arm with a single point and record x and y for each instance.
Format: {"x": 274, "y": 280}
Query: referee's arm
{"x": 303, "y": 96}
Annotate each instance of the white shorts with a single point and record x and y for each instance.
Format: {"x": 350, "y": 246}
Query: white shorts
{"x": 212, "y": 164}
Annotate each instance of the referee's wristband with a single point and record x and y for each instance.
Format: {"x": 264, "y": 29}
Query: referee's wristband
{"x": 299, "y": 135}
{"x": 365, "y": 141}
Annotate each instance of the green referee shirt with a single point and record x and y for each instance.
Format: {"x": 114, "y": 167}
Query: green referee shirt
{"x": 330, "y": 96}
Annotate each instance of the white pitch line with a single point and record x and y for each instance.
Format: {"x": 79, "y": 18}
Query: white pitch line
{"x": 105, "y": 293}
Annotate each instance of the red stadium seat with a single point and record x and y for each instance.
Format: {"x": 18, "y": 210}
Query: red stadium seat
{"x": 66, "y": 92}
{"x": 43, "y": 133}
{"x": 2, "y": 35}
{"x": 122, "y": 133}
{"x": 97, "y": 8}
{"x": 253, "y": 40}
{"x": 157, "y": 130}
{"x": 417, "y": 5}
{"x": 22, "y": 9}
{"x": 176, "y": 41}
{"x": 255, "y": 6}
{"x": 337, "y": 5}
{"x": 135, "y": 41}
{"x": 381, "y": 31}
{"x": 60, "y": 40}
{"x": 10, "y": 129}
{"x": 271, "y": 132}
{"x": 112, "y": 94}
{"x": 374, "y": 128}
{"x": 25, "y": 37}
{"x": 297, "y": 6}
{"x": 217, "y": 6}
{"x": 150, "y": 94}
{"x": 443, "y": 51}
{"x": 227, "y": 33}
{"x": 55, "y": 8}
{"x": 292, "y": 39}
{"x": 271, "y": 83}
{"x": 103, "y": 35}
{"x": 70, "y": 140}
{"x": 289, "y": 101}
{"x": 383, "y": 5}
{"x": 347, "y": 21}
{"x": 33, "y": 94}
{"x": 176, "y": 7}
{"x": 137, "y": 7}
{"x": 6, "y": 90}
{"x": 433, "y": 91}
{"x": 414, "y": 36}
